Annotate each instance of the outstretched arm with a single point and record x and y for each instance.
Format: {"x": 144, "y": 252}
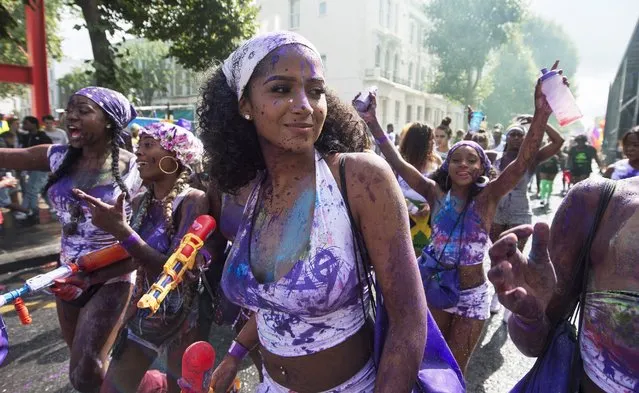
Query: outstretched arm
{"x": 422, "y": 185}
{"x": 29, "y": 159}
{"x": 529, "y": 150}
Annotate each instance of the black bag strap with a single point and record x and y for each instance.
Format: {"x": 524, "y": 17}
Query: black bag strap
{"x": 584, "y": 269}
{"x": 359, "y": 246}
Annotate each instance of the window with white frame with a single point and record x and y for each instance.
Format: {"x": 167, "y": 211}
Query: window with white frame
{"x": 398, "y": 108}
{"x": 387, "y": 61}
{"x": 388, "y": 13}
{"x": 294, "y": 20}
{"x": 409, "y": 113}
{"x": 378, "y": 56}
{"x": 419, "y": 113}
{"x": 322, "y": 8}
{"x": 410, "y": 72}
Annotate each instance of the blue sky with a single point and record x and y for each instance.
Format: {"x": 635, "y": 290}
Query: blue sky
{"x": 601, "y": 30}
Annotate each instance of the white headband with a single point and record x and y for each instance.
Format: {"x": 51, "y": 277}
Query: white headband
{"x": 239, "y": 66}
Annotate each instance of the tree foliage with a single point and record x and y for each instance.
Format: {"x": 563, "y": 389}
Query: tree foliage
{"x": 75, "y": 80}
{"x": 149, "y": 61}
{"x": 464, "y": 34}
{"x": 13, "y": 38}
{"x": 548, "y": 42}
{"x": 514, "y": 77}
{"x": 197, "y": 32}
{"x": 537, "y": 44}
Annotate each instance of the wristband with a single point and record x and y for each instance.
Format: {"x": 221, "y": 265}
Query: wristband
{"x": 238, "y": 351}
{"x": 382, "y": 139}
{"x": 133, "y": 240}
{"x": 526, "y": 326}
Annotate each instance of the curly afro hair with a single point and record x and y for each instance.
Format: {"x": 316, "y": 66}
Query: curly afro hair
{"x": 231, "y": 143}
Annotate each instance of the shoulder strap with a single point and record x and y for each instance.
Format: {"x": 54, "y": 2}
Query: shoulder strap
{"x": 584, "y": 263}
{"x": 362, "y": 259}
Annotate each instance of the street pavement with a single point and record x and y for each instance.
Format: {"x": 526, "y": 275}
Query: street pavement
{"x": 38, "y": 357}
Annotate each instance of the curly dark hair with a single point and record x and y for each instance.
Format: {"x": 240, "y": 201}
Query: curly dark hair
{"x": 417, "y": 145}
{"x": 231, "y": 143}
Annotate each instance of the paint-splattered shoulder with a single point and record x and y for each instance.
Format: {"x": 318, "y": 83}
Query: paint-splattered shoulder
{"x": 576, "y": 213}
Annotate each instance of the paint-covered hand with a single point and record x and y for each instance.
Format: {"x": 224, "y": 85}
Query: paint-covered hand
{"x": 367, "y": 113}
{"x": 70, "y": 288}
{"x": 224, "y": 374}
{"x": 523, "y": 285}
{"x": 109, "y": 218}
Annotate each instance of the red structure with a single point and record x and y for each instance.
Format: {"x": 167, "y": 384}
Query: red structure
{"x": 35, "y": 74}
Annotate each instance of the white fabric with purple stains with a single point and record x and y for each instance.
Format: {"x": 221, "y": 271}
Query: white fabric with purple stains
{"x": 316, "y": 305}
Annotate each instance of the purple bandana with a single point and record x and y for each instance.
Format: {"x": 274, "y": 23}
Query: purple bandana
{"x": 187, "y": 148}
{"x": 482, "y": 155}
{"x": 116, "y": 106}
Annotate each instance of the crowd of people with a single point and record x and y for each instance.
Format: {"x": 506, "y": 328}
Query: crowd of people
{"x": 309, "y": 216}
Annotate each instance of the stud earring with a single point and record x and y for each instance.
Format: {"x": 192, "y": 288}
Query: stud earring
{"x": 247, "y": 116}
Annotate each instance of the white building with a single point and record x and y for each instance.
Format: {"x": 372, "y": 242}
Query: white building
{"x": 365, "y": 43}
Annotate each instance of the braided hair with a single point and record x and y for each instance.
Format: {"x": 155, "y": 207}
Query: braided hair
{"x": 181, "y": 183}
{"x": 115, "y": 167}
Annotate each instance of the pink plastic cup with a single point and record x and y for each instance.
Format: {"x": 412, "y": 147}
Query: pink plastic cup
{"x": 560, "y": 98}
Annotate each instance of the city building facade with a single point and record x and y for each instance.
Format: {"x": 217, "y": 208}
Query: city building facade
{"x": 366, "y": 43}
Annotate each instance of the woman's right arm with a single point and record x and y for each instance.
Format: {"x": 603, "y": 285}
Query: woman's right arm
{"x": 30, "y": 159}
{"x": 415, "y": 180}
{"x": 542, "y": 289}
{"x": 226, "y": 371}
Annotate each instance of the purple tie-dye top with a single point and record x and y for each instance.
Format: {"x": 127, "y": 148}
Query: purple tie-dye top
{"x": 623, "y": 170}
{"x": 88, "y": 238}
{"x": 316, "y": 305}
{"x": 474, "y": 240}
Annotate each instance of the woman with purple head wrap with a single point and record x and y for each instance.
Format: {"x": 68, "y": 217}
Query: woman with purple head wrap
{"x": 90, "y": 308}
{"x": 161, "y": 216}
{"x": 463, "y": 202}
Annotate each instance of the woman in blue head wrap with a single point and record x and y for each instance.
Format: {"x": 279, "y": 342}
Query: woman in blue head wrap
{"x": 90, "y": 310}
{"x": 463, "y": 202}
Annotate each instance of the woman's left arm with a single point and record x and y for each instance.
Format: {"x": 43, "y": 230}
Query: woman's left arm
{"x": 556, "y": 142}
{"x": 380, "y": 211}
{"x": 513, "y": 173}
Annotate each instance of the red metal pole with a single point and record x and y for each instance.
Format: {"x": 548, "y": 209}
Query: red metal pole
{"x": 37, "y": 49}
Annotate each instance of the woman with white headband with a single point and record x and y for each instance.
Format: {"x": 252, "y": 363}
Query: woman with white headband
{"x": 266, "y": 113}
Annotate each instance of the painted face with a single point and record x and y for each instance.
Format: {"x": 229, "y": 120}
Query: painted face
{"x": 86, "y": 122}
{"x": 514, "y": 140}
{"x": 149, "y": 153}
{"x": 631, "y": 147}
{"x": 440, "y": 137}
{"x": 465, "y": 166}
{"x": 287, "y": 100}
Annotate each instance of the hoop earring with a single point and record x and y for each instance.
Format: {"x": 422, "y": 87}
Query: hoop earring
{"x": 482, "y": 181}
{"x": 177, "y": 165}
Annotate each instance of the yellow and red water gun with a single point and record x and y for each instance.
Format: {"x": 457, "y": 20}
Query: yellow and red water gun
{"x": 182, "y": 260}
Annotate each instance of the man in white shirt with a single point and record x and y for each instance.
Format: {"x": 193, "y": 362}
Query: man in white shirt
{"x": 58, "y": 136}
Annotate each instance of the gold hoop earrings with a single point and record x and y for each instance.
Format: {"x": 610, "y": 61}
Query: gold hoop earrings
{"x": 177, "y": 165}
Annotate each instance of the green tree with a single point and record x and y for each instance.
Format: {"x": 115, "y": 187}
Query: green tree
{"x": 548, "y": 42}
{"x": 78, "y": 78}
{"x": 13, "y": 39}
{"x": 150, "y": 60}
{"x": 514, "y": 76}
{"x": 197, "y": 32}
{"x": 463, "y": 35}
